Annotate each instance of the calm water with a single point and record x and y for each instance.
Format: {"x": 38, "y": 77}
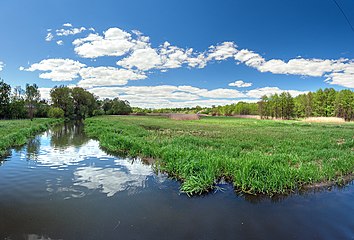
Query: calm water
{"x": 61, "y": 185}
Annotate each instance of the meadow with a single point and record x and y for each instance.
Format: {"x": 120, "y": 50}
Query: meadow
{"x": 16, "y": 132}
{"x": 257, "y": 156}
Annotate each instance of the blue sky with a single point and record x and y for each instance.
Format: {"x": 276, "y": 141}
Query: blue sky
{"x": 178, "y": 53}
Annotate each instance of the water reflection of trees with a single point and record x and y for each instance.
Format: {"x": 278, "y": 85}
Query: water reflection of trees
{"x": 32, "y": 148}
{"x": 69, "y": 134}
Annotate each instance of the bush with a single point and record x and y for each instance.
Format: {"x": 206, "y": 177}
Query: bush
{"x": 56, "y": 112}
{"x": 98, "y": 112}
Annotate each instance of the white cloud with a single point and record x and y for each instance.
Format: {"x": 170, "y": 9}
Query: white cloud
{"x": 67, "y": 25}
{"x": 45, "y": 93}
{"x": 60, "y": 42}
{"x": 240, "y": 84}
{"x": 169, "y": 96}
{"x": 259, "y": 92}
{"x": 2, "y": 65}
{"x": 71, "y": 31}
{"x": 138, "y": 54}
{"x": 57, "y": 69}
{"x": 339, "y": 72}
{"x": 222, "y": 93}
{"x": 49, "y": 37}
{"x": 143, "y": 59}
{"x": 115, "y": 42}
{"x": 222, "y": 51}
{"x": 107, "y": 76}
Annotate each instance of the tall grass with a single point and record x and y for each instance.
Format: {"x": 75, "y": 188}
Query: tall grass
{"x": 256, "y": 156}
{"x": 16, "y": 132}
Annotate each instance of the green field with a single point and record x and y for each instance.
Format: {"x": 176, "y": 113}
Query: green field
{"x": 16, "y": 132}
{"x": 257, "y": 156}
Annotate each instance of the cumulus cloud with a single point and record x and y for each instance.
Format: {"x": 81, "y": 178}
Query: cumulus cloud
{"x": 339, "y": 72}
{"x": 222, "y": 51}
{"x": 57, "y": 69}
{"x": 143, "y": 59}
{"x": 138, "y": 55}
{"x": 240, "y": 84}
{"x": 115, "y": 42}
{"x": 168, "y": 96}
{"x": 2, "y": 65}
{"x": 107, "y": 76}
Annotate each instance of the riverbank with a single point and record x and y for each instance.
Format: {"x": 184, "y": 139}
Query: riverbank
{"x": 256, "y": 156}
{"x": 16, "y": 132}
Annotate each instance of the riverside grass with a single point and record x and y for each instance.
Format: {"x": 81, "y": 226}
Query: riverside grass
{"x": 16, "y": 132}
{"x": 257, "y": 156}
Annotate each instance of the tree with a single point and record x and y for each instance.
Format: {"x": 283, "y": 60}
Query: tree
{"x": 32, "y": 97}
{"x": 263, "y": 107}
{"x": 319, "y": 101}
{"x": 84, "y": 103}
{"x": 5, "y": 91}
{"x": 120, "y": 107}
{"x": 61, "y": 98}
{"x": 344, "y": 105}
{"x": 56, "y": 112}
{"x": 329, "y": 105}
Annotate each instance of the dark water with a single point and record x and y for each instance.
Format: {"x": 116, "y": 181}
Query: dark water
{"x": 61, "y": 185}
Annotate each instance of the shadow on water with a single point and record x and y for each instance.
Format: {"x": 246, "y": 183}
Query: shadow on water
{"x": 62, "y": 185}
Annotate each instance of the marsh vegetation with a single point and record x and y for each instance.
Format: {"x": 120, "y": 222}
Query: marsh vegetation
{"x": 257, "y": 156}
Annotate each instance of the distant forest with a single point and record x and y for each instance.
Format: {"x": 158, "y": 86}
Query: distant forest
{"x": 322, "y": 103}
{"x": 78, "y": 103}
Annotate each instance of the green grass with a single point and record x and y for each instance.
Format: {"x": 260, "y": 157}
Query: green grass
{"x": 16, "y": 132}
{"x": 257, "y": 156}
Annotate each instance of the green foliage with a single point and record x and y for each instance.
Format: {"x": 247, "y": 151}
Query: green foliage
{"x": 77, "y": 103}
{"x": 256, "y": 156}
{"x": 116, "y": 107}
{"x": 5, "y": 91}
{"x": 32, "y": 97}
{"x": 277, "y": 106}
{"x": 56, "y": 112}
{"x": 98, "y": 112}
{"x": 61, "y": 98}
{"x": 16, "y": 132}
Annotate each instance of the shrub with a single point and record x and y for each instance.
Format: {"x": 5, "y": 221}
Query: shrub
{"x": 56, "y": 112}
{"x": 98, "y": 112}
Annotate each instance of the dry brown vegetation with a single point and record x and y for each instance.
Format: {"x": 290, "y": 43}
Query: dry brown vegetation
{"x": 176, "y": 116}
{"x": 324, "y": 119}
{"x": 247, "y": 116}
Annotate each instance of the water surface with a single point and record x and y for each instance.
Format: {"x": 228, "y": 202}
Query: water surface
{"x": 61, "y": 185}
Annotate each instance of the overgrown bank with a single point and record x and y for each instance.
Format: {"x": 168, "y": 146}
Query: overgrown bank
{"x": 256, "y": 156}
{"x": 16, "y": 132}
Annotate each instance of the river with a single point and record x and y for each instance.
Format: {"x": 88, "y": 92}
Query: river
{"x": 62, "y": 185}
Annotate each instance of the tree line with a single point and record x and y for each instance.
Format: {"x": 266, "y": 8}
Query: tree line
{"x": 65, "y": 102}
{"x": 78, "y": 103}
{"x": 322, "y": 103}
